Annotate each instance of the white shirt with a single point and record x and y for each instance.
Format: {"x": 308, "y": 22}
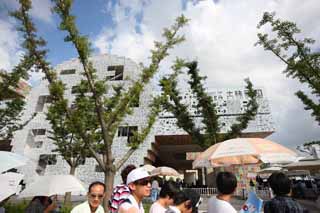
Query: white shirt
{"x": 132, "y": 203}
{"x": 85, "y": 208}
{"x": 216, "y": 205}
{"x": 157, "y": 208}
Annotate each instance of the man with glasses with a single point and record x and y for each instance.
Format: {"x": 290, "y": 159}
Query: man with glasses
{"x": 139, "y": 183}
{"x": 95, "y": 196}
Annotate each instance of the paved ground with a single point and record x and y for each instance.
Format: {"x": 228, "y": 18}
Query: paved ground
{"x": 237, "y": 203}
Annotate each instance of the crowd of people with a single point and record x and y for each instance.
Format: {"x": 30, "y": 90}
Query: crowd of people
{"x": 137, "y": 185}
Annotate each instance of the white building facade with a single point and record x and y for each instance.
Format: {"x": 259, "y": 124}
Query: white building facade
{"x": 165, "y": 143}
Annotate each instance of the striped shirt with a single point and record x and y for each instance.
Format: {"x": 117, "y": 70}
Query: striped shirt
{"x": 120, "y": 194}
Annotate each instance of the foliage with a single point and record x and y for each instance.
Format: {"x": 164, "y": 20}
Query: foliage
{"x": 19, "y": 207}
{"x": 311, "y": 143}
{"x": 209, "y": 132}
{"x": 71, "y": 148}
{"x": 302, "y": 62}
{"x": 16, "y": 207}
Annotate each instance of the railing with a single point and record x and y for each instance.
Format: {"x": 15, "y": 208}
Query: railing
{"x": 205, "y": 191}
{"x": 263, "y": 194}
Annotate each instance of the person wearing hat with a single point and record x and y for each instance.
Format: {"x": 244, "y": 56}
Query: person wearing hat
{"x": 186, "y": 201}
{"x": 139, "y": 183}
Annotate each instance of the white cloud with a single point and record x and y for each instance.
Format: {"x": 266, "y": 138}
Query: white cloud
{"x": 221, "y": 37}
{"x": 10, "y": 51}
{"x": 9, "y": 45}
{"x": 41, "y": 9}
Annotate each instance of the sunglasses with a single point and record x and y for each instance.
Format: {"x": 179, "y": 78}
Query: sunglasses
{"x": 100, "y": 196}
{"x": 143, "y": 182}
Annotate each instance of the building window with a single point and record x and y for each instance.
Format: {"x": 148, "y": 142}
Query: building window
{"x": 127, "y": 131}
{"x": 238, "y": 93}
{"x": 135, "y": 102}
{"x": 115, "y": 73}
{"x": 98, "y": 168}
{"x": 74, "y": 89}
{"x": 43, "y": 99}
{"x": 259, "y": 93}
{"x": 37, "y": 144}
{"x": 68, "y": 72}
{"x": 124, "y": 131}
{"x": 36, "y": 132}
{"x": 46, "y": 159}
{"x": 229, "y": 93}
{"x": 81, "y": 161}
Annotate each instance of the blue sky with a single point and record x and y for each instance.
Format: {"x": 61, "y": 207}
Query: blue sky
{"x": 220, "y": 35}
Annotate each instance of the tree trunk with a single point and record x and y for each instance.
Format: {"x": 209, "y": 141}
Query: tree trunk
{"x": 108, "y": 181}
{"x": 67, "y": 197}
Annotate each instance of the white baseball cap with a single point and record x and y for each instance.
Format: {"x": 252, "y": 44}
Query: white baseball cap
{"x": 137, "y": 174}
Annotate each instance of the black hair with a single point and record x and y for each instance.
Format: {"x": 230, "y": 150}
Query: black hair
{"x": 97, "y": 183}
{"x": 226, "y": 183}
{"x": 179, "y": 197}
{"x": 169, "y": 188}
{"x": 42, "y": 199}
{"x": 126, "y": 171}
{"x": 279, "y": 183}
{"x": 187, "y": 195}
{"x": 194, "y": 197}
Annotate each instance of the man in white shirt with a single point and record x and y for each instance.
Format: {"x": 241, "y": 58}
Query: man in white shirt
{"x": 139, "y": 183}
{"x": 168, "y": 191}
{"x": 226, "y": 184}
{"x": 95, "y": 196}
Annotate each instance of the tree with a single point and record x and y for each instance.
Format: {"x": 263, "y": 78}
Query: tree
{"x": 94, "y": 118}
{"x": 208, "y": 132}
{"x": 302, "y": 63}
{"x": 71, "y": 148}
{"x": 12, "y": 103}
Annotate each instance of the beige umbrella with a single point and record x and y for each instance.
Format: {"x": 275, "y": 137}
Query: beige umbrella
{"x": 148, "y": 167}
{"x": 165, "y": 171}
{"x": 244, "y": 151}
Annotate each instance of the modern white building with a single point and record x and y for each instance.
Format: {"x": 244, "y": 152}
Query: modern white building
{"x": 165, "y": 145}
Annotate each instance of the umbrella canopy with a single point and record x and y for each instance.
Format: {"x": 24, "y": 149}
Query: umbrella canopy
{"x": 52, "y": 185}
{"x": 244, "y": 151}
{"x": 165, "y": 171}
{"x": 148, "y": 167}
{"x": 9, "y": 160}
{"x": 9, "y": 184}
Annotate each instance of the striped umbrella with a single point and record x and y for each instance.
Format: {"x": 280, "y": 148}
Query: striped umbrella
{"x": 244, "y": 151}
